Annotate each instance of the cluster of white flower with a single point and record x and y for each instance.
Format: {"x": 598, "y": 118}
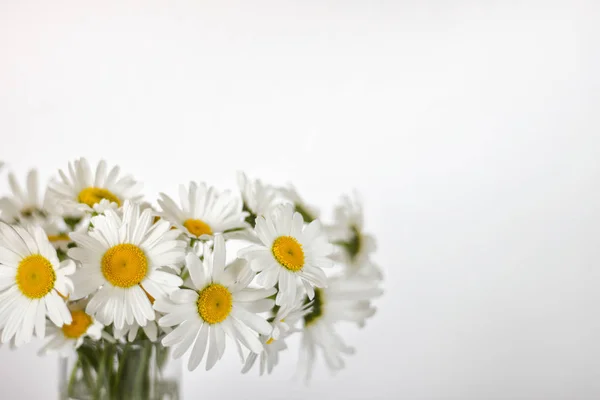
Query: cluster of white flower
{"x": 92, "y": 261}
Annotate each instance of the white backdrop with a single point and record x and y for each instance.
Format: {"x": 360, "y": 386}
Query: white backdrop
{"x": 471, "y": 128}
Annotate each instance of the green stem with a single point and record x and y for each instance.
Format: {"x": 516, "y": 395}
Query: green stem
{"x": 100, "y": 375}
{"x": 72, "y": 378}
{"x": 142, "y": 371}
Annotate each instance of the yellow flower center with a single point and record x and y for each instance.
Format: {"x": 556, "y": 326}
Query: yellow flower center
{"x": 214, "y": 303}
{"x": 93, "y": 195}
{"x": 79, "y": 326}
{"x": 124, "y": 265}
{"x": 288, "y": 252}
{"x": 35, "y": 276}
{"x": 197, "y": 227}
{"x": 271, "y": 340}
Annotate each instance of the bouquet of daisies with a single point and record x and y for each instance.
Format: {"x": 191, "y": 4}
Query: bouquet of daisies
{"x": 122, "y": 285}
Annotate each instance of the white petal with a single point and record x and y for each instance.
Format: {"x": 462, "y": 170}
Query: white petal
{"x": 255, "y": 322}
{"x": 199, "y": 348}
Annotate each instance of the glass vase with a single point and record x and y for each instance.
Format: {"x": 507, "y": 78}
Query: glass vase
{"x": 141, "y": 370}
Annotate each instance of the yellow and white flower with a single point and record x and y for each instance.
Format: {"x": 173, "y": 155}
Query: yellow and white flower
{"x": 82, "y": 189}
{"x": 68, "y": 338}
{"x": 345, "y": 299}
{"x": 33, "y": 283}
{"x": 289, "y": 253}
{"x": 259, "y": 199}
{"x": 354, "y": 244}
{"x": 121, "y": 260}
{"x": 204, "y": 211}
{"x": 25, "y": 204}
{"x": 219, "y": 304}
{"x": 283, "y": 324}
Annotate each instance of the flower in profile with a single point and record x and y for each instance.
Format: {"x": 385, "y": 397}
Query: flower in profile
{"x": 283, "y": 324}
{"x": 354, "y": 244}
{"x": 308, "y": 212}
{"x": 288, "y": 253}
{"x": 345, "y": 299}
{"x": 121, "y": 265}
{"x": 259, "y": 199}
{"x": 82, "y": 189}
{"x": 68, "y": 338}
{"x": 33, "y": 284}
{"x": 204, "y": 211}
{"x": 220, "y": 303}
{"x": 25, "y": 204}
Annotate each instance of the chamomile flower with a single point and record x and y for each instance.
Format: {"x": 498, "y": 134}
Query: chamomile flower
{"x": 283, "y": 324}
{"x": 308, "y": 212}
{"x": 81, "y": 189}
{"x": 219, "y": 304}
{"x": 33, "y": 283}
{"x": 259, "y": 199}
{"x": 345, "y": 299}
{"x": 204, "y": 211}
{"x": 25, "y": 204}
{"x": 121, "y": 259}
{"x": 289, "y": 253}
{"x": 355, "y": 246}
{"x": 68, "y": 338}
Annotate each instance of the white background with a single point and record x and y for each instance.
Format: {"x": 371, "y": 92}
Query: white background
{"x": 471, "y": 128}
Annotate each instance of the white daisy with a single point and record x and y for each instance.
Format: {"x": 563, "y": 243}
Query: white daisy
{"x": 81, "y": 189}
{"x": 283, "y": 324}
{"x": 289, "y": 253}
{"x": 67, "y": 339}
{"x": 33, "y": 283}
{"x": 122, "y": 256}
{"x": 220, "y": 303}
{"x": 308, "y": 212}
{"x": 25, "y": 204}
{"x": 355, "y": 246}
{"x": 345, "y": 299}
{"x": 258, "y": 199}
{"x": 204, "y": 211}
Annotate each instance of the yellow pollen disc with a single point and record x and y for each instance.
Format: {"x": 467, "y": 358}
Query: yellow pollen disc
{"x": 93, "y": 195}
{"x": 79, "y": 326}
{"x": 197, "y": 227}
{"x": 35, "y": 276}
{"x": 288, "y": 252}
{"x": 214, "y": 303}
{"x": 271, "y": 340}
{"x": 58, "y": 238}
{"x": 124, "y": 265}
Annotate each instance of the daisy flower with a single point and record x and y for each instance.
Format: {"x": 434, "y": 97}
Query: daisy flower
{"x": 258, "y": 199}
{"x": 289, "y": 253}
{"x": 283, "y": 326}
{"x": 355, "y": 245}
{"x": 33, "y": 283}
{"x": 122, "y": 256}
{"x": 308, "y": 212}
{"x": 204, "y": 211}
{"x": 70, "y": 337}
{"x": 25, "y": 204}
{"x": 81, "y": 189}
{"x": 220, "y": 303}
{"x": 345, "y": 299}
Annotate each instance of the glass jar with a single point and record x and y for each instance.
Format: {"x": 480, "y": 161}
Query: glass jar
{"x": 141, "y": 370}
